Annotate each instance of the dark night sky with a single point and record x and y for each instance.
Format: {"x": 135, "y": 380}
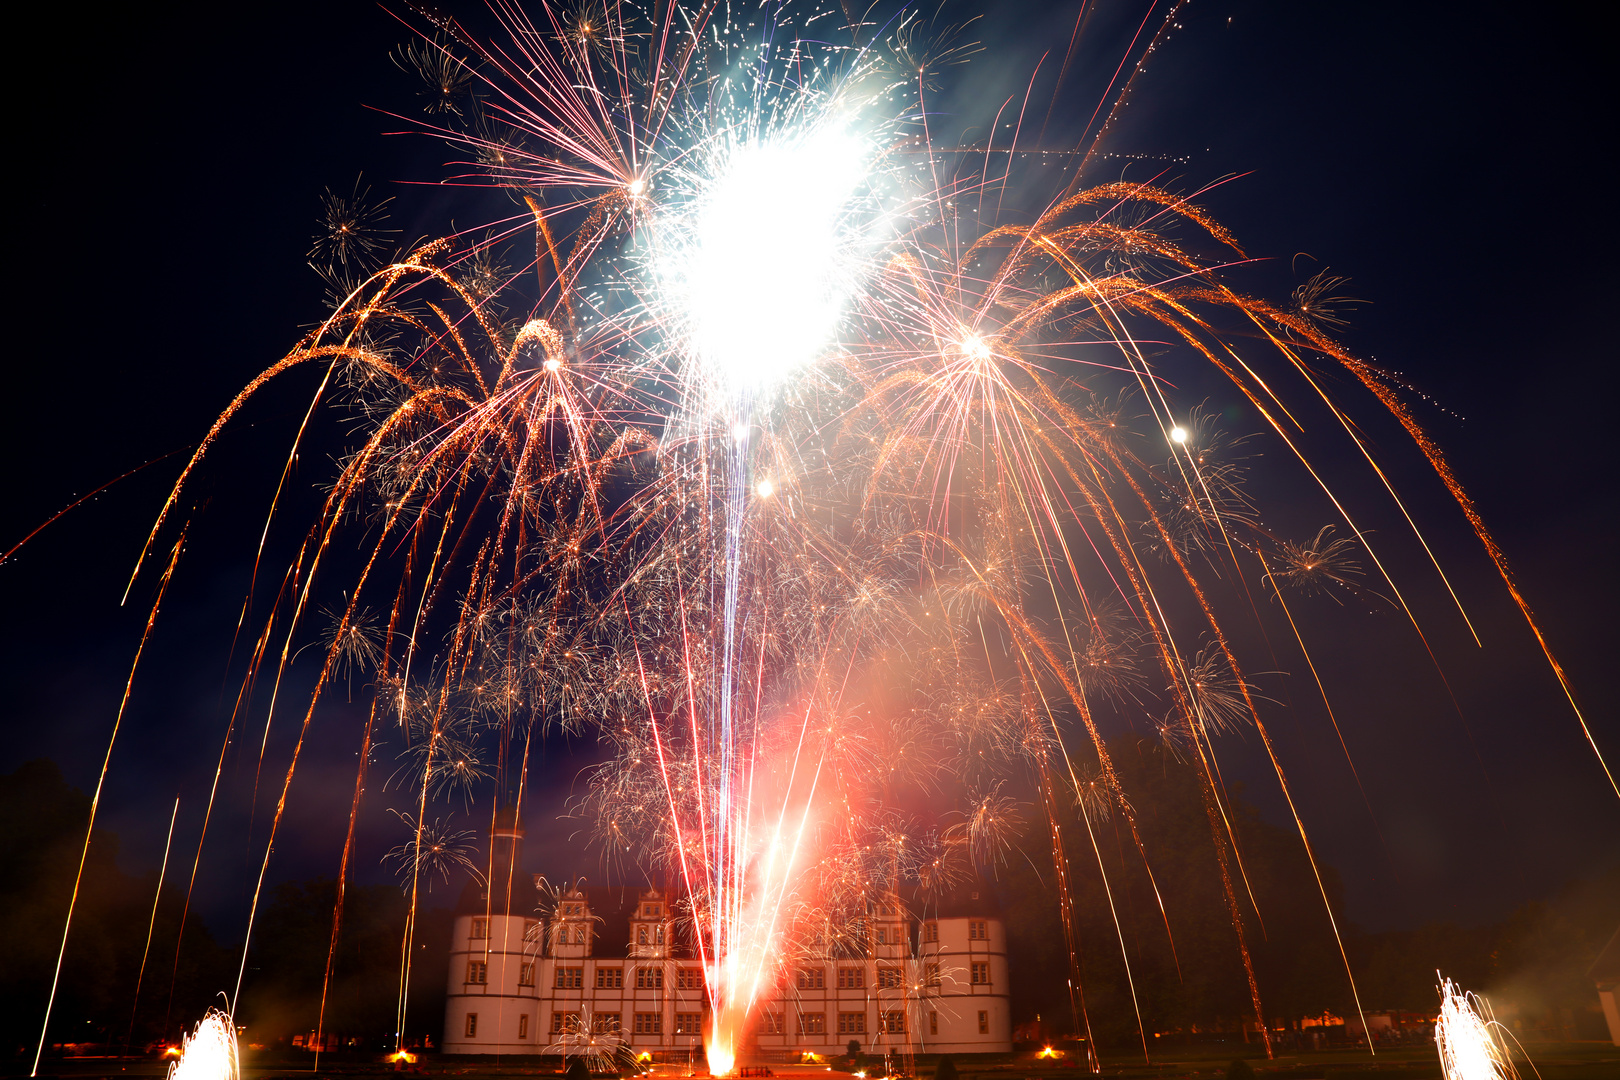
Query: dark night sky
{"x": 1452, "y": 162}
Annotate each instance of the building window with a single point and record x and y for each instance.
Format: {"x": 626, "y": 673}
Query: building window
{"x": 477, "y": 972}
{"x": 812, "y": 978}
{"x": 689, "y": 1023}
{"x": 812, "y": 1023}
{"x": 472, "y": 1025}
{"x": 526, "y": 975}
{"x": 892, "y": 1022}
{"x": 609, "y": 978}
{"x": 652, "y": 911}
{"x": 851, "y": 978}
{"x": 564, "y": 1023}
{"x": 605, "y": 1024}
{"x": 649, "y": 1023}
{"x": 523, "y": 1026}
{"x": 984, "y": 1022}
{"x": 890, "y": 978}
{"x": 688, "y": 978}
{"x": 531, "y": 930}
{"x": 933, "y": 1022}
{"x": 658, "y": 934}
{"x": 930, "y": 974}
{"x": 890, "y": 908}
{"x": 930, "y": 931}
{"x": 852, "y": 1023}
{"x": 883, "y": 936}
{"x": 480, "y": 929}
{"x": 570, "y": 978}
{"x": 649, "y": 978}
{"x": 579, "y": 935}
{"x": 977, "y": 930}
{"x": 770, "y": 1023}
{"x": 981, "y": 973}
{"x": 573, "y": 909}
{"x": 641, "y": 935}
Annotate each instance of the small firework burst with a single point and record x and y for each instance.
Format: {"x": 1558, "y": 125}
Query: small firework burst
{"x": 1319, "y": 301}
{"x": 351, "y": 231}
{"x": 1325, "y": 561}
{"x": 434, "y": 851}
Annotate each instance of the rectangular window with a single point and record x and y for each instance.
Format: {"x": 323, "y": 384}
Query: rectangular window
{"x": 769, "y": 1023}
{"x": 472, "y": 1025}
{"x": 851, "y": 978}
{"x": 641, "y": 935}
{"x": 523, "y": 1026}
{"x": 852, "y": 1023}
{"x": 652, "y": 911}
{"x": 570, "y": 978}
{"x": 892, "y": 1022}
{"x": 658, "y": 934}
{"x": 890, "y": 978}
{"x": 526, "y": 975}
{"x": 531, "y": 929}
{"x": 650, "y": 978}
{"x": 565, "y": 1023}
{"x": 609, "y": 978}
{"x": 981, "y": 974}
{"x": 477, "y": 972}
{"x": 930, "y": 974}
{"x": 977, "y": 930}
{"x": 649, "y": 1023}
{"x": 688, "y": 978}
{"x": 480, "y": 929}
{"x": 883, "y": 936}
{"x": 812, "y": 1023}
{"x": 605, "y": 1024}
{"x": 984, "y": 1022}
{"x": 689, "y": 1023}
{"x": 933, "y": 1022}
{"x": 573, "y": 909}
{"x": 930, "y": 931}
{"x": 812, "y": 978}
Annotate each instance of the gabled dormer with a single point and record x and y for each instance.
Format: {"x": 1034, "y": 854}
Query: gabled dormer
{"x": 649, "y": 925}
{"x": 571, "y": 926}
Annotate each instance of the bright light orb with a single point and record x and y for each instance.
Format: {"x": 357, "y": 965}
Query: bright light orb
{"x": 765, "y": 488}
{"x": 636, "y": 187}
{"x": 1178, "y": 434}
{"x": 975, "y": 347}
{"x": 552, "y": 363}
{"x": 759, "y": 264}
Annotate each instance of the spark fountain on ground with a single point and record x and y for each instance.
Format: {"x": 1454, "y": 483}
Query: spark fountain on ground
{"x": 790, "y": 458}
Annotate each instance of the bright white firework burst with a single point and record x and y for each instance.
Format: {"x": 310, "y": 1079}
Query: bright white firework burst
{"x": 209, "y": 1053}
{"x": 1469, "y": 1038}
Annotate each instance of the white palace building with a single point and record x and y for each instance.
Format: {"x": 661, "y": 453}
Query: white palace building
{"x": 605, "y": 967}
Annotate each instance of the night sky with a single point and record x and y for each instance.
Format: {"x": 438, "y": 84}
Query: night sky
{"x": 167, "y": 168}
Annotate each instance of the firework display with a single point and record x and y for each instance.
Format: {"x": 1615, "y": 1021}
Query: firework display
{"x": 764, "y": 443}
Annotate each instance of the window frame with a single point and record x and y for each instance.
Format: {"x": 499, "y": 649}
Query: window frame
{"x": 649, "y": 1023}
{"x": 470, "y": 1026}
{"x": 852, "y": 1023}
{"x": 851, "y": 978}
{"x": 817, "y": 1025}
{"x": 569, "y": 977}
{"x": 979, "y": 973}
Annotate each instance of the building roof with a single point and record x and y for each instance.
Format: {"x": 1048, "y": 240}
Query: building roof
{"x": 973, "y": 898}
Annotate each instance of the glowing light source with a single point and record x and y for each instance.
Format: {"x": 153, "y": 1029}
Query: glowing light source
{"x": 1178, "y": 434}
{"x": 636, "y": 187}
{"x": 552, "y": 363}
{"x": 975, "y": 347}
{"x": 209, "y": 1053}
{"x": 1468, "y": 1040}
{"x": 765, "y": 488}
{"x": 761, "y": 261}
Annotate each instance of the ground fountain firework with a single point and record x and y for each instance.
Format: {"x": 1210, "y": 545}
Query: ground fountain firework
{"x": 764, "y": 443}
